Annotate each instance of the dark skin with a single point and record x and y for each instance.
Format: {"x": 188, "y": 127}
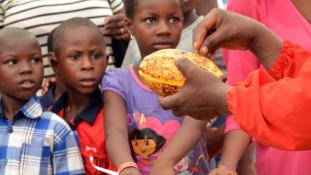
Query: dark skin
{"x": 218, "y": 29}
{"x": 81, "y": 62}
{"x": 303, "y": 6}
{"x": 21, "y": 69}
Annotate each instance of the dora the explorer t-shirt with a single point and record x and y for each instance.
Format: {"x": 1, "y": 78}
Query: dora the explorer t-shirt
{"x": 150, "y": 127}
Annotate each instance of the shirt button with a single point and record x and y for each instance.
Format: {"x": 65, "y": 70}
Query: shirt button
{"x": 10, "y": 130}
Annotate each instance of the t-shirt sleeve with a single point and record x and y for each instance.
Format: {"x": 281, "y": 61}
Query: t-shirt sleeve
{"x": 112, "y": 81}
{"x": 116, "y": 5}
{"x": 230, "y": 124}
{"x": 274, "y": 106}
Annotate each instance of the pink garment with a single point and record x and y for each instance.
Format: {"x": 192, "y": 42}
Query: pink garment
{"x": 284, "y": 19}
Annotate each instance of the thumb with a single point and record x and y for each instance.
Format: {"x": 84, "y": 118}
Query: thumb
{"x": 169, "y": 102}
{"x": 184, "y": 65}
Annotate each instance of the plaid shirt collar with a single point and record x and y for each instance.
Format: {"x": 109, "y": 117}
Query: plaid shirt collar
{"x": 32, "y": 109}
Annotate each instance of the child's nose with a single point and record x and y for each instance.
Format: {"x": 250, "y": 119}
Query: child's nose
{"x": 163, "y": 28}
{"x": 87, "y": 64}
{"x": 25, "y": 68}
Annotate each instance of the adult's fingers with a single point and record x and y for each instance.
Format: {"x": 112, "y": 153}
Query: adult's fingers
{"x": 206, "y": 26}
{"x": 114, "y": 18}
{"x": 169, "y": 102}
{"x": 184, "y": 65}
{"x": 116, "y": 25}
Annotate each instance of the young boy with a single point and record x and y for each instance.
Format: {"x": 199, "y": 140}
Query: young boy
{"x": 79, "y": 58}
{"x": 33, "y": 141}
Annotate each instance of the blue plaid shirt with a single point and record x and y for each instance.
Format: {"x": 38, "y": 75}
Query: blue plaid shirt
{"x": 37, "y": 142}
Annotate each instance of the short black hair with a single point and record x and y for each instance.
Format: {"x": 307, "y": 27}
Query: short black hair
{"x": 130, "y": 6}
{"x": 15, "y": 32}
{"x": 72, "y": 23}
{"x": 50, "y": 41}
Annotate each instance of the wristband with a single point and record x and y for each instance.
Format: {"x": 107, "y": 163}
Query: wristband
{"x": 126, "y": 165}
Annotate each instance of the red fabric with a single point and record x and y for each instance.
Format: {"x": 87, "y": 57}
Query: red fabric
{"x": 274, "y": 106}
{"x": 93, "y": 142}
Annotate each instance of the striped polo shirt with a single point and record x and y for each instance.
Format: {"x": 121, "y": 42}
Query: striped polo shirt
{"x": 40, "y": 17}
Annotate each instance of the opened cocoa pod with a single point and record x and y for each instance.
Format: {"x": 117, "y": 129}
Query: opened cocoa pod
{"x": 159, "y": 72}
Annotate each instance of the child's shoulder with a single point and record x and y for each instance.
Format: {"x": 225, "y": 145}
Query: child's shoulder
{"x": 118, "y": 74}
{"x": 118, "y": 71}
{"x": 52, "y": 121}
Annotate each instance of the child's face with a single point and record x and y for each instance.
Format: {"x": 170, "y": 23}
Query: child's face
{"x": 21, "y": 67}
{"x": 157, "y": 25}
{"x": 82, "y": 59}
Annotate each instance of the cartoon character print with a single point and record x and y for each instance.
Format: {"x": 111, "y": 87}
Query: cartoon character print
{"x": 182, "y": 167}
{"x": 144, "y": 143}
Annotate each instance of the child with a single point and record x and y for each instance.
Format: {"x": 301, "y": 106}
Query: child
{"x": 79, "y": 59}
{"x": 132, "y": 112}
{"x": 33, "y": 141}
{"x": 59, "y": 88}
{"x": 191, "y": 19}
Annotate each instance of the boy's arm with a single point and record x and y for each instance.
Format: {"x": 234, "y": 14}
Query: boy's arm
{"x": 66, "y": 155}
{"x": 182, "y": 143}
{"x": 116, "y": 131}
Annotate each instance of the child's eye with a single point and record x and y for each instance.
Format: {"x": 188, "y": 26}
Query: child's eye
{"x": 96, "y": 55}
{"x": 150, "y": 20}
{"x": 75, "y": 56}
{"x": 174, "y": 20}
{"x": 12, "y": 62}
{"x": 35, "y": 60}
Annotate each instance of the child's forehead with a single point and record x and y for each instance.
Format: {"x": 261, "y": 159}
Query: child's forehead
{"x": 151, "y": 4}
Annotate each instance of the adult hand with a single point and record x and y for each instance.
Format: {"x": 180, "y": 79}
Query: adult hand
{"x": 48, "y": 83}
{"x": 115, "y": 26}
{"x": 203, "y": 96}
{"x": 233, "y": 31}
{"x": 222, "y": 170}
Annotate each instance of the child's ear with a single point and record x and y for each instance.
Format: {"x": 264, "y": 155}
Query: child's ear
{"x": 54, "y": 62}
{"x": 128, "y": 24}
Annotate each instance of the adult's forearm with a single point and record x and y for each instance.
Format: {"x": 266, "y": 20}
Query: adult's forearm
{"x": 266, "y": 46}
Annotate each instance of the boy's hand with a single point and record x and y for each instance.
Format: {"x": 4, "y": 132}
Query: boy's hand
{"x": 222, "y": 170}
{"x": 48, "y": 83}
{"x": 130, "y": 171}
{"x": 115, "y": 26}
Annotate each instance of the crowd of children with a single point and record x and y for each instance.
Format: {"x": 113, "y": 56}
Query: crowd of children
{"x": 110, "y": 116}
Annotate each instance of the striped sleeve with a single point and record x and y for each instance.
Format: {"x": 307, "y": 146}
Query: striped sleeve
{"x": 116, "y": 5}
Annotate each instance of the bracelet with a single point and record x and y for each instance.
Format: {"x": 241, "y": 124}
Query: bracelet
{"x": 126, "y": 165}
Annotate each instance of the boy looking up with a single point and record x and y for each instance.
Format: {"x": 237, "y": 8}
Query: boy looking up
{"x": 33, "y": 141}
{"x": 79, "y": 59}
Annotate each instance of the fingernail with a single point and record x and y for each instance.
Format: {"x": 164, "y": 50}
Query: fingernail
{"x": 106, "y": 19}
{"x": 195, "y": 44}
